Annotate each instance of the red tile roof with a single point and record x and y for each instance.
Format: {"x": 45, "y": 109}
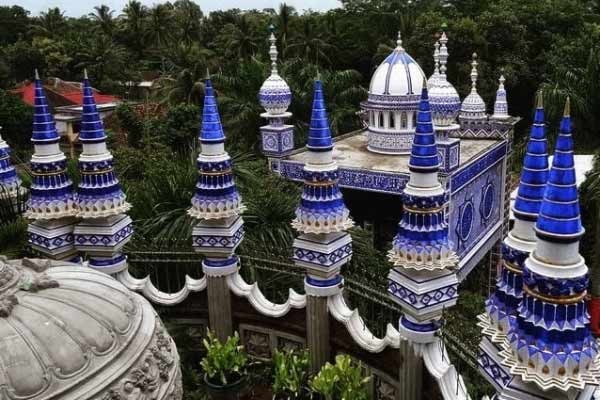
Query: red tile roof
{"x": 60, "y": 93}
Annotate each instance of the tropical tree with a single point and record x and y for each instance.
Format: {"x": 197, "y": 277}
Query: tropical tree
{"x": 188, "y": 19}
{"x": 284, "y": 17}
{"x": 103, "y": 15}
{"x": 310, "y": 44}
{"x": 50, "y": 23}
{"x": 159, "y": 26}
{"x": 133, "y": 22}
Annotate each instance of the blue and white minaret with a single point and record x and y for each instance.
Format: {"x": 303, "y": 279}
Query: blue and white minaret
{"x": 322, "y": 217}
{"x": 10, "y": 184}
{"x": 216, "y": 208}
{"x": 445, "y": 106}
{"x": 473, "y": 110}
{"x": 550, "y": 346}
{"x": 217, "y": 204}
{"x": 501, "y": 306}
{"x": 423, "y": 280}
{"x": 105, "y": 227}
{"x": 52, "y": 204}
{"x": 500, "y": 104}
{"x": 275, "y": 96}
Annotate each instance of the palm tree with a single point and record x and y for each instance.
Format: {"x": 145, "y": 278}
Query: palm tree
{"x": 284, "y": 17}
{"x": 159, "y": 27}
{"x": 590, "y": 202}
{"x": 188, "y": 16}
{"x": 103, "y": 15}
{"x": 310, "y": 44}
{"x": 50, "y": 23}
{"x": 133, "y": 21}
{"x": 105, "y": 60}
{"x": 239, "y": 38}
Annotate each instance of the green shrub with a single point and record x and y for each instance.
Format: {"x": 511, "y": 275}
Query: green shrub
{"x": 342, "y": 381}
{"x": 290, "y": 372}
{"x": 224, "y": 363}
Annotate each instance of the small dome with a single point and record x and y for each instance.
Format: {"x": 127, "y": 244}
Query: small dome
{"x": 444, "y": 102}
{"x": 275, "y": 95}
{"x": 473, "y": 106}
{"x": 398, "y": 75}
{"x": 74, "y": 333}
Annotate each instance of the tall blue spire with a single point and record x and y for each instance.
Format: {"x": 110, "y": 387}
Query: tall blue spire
{"x": 51, "y": 193}
{"x": 423, "y": 155}
{"x": 44, "y": 129}
{"x": 550, "y": 342}
{"x": 535, "y": 169}
{"x": 216, "y": 195}
{"x": 9, "y": 181}
{"x": 99, "y": 193}
{"x": 319, "y": 134}
{"x": 212, "y": 130}
{"x": 92, "y": 129}
{"x": 559, "y": 213}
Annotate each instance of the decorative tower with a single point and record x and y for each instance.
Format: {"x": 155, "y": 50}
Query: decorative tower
{"x": 445, "y": 105}
{"x": 217, "y": 205}
{"x": 52, "y": 205}
{"x": 423, "y": 281}
{"x": 322, "y": 219}
{"x": 105, "y": 227}
{"x": 550, "y": 346}
{"x": 472, "y": 110}
{"x": 500, "y": 105}
{"x": 436, "y": 65}
{"x": 501, "y": 306}
{"x": 275, "y": 96}
{"x": 10, "y": 184}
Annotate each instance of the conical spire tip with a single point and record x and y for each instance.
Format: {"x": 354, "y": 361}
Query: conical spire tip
{"x": 207, "y": 73}
{"x": 399, "y": 40}
{"x": 567, "y": 111}
{"x": 85, "y": 74}
{"x": 540, "y": 99}
{"x": 37, "y": 74}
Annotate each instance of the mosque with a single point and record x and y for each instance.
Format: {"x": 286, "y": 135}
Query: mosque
{"x": 73, "y": 328}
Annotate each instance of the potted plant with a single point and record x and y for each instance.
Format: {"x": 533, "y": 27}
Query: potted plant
{"x": 290, "y": 373}
{"x": 342, "y": 381}
{"x": 224, "y": 367}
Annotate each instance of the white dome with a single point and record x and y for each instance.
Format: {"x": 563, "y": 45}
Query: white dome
{"x": 70, "y": 332}
{"x": 444, "y": 100}
{"x": 275, "y": 95}
{"x": 398, "y": 75}
{"x": 473, "y": 106}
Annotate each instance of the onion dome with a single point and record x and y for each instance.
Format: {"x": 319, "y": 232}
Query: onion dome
{"x": 51, "y": 193}
{"x": 550, "y": 343}
{"x": 502, "y": 305}
{"x": 422, "y": 240}
{"x": 473, "y": 106}
{"x": 322, "y": 208}
{"x": 398, "y": 75}
{"x": 274, "y": 94}
{"x": 216, "y": 195}
{"x": 74, "y": 333}
{"x": 500, "y": 105}
{"x": 99, "y": 193}
{"x": 443, "y": 97}
{"x": 9, "y": 181}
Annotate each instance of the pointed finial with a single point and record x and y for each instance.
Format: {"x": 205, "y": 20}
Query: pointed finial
{"x": 436, "y": 58}
{"x": 271, "y": 28}
{"x": 318, "y": 75}
{"x": 273, "y": 51}
{"x": 567, "y": 112}
{"x": 540, "y": 99}
{"x": 474, "y": 73}
{"x": 207, "y": 73}
{"x": 443, "y": 53}
{"x": 399, "y": 41}
{"x": 501, "y": 80}
{"x": 85, "y": 74}
{"x": 37, "y": 75}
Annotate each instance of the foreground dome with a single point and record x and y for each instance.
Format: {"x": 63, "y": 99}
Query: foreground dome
{"x": 70, "y": 332}
{"x": 393, "y": 102}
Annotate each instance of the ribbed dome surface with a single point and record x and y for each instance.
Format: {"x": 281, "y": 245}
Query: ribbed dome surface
{"x": 398, "y": 75}
{"x": 69, "y": 332}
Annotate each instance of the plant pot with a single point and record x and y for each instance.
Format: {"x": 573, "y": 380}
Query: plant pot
{"x": 229, "y": 391}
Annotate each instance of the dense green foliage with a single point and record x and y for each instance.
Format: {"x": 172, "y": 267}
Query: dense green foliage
{"x": 343, "y": 380}
{"x": 290, "y": 374}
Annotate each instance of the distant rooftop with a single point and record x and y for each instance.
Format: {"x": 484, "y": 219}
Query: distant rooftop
{"x": 60, "y": 93}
